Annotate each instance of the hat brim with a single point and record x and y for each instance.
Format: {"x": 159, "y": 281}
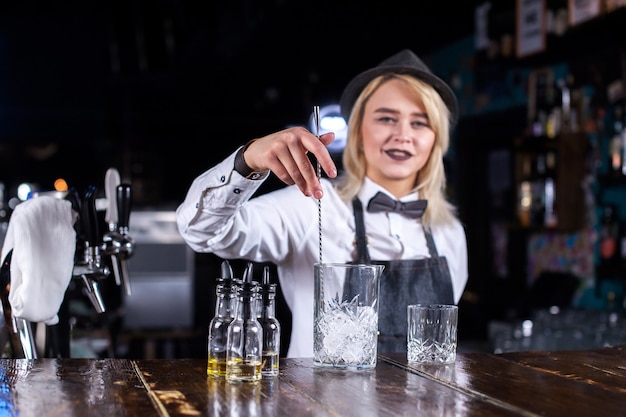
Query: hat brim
{"x": 358, "y": 83}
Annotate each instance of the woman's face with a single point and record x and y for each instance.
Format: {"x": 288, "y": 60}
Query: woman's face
{"x": 397, "y": 137}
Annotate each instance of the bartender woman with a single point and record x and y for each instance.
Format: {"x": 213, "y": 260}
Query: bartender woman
{"x": 387, "y": 206}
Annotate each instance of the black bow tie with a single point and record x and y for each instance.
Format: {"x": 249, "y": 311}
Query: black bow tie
{"x": 382, "y": 202}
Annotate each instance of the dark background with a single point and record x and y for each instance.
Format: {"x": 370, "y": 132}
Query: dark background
{"x": 163, "y": 89}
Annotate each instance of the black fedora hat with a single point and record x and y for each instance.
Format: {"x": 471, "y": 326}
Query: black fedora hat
{"x": 404, "y": 62}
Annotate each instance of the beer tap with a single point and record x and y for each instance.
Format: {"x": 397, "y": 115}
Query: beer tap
{"x": 126, "y": 244}
{"x": 20, "y": 333}
{"x": 89, "y": 266}
{"x": 112, "y": 239}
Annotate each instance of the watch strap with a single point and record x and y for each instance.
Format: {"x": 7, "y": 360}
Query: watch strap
{"x": 242, "y": 167}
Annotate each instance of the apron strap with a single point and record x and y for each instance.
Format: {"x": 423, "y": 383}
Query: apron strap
{"x": 430, "y": 242}
{"x": 361, "y": 239}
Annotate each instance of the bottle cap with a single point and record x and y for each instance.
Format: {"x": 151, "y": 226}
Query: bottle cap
{"x": 248, "y": 287}
{"x": 268, "y": 290}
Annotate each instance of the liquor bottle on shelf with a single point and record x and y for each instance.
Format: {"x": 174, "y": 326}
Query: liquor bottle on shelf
{"x": 539, "y": 123}
{"x": 541, "y": 104}
{"x": 539, "y": 191}
{"x": 550, "y": 217}
{"x": 576, "y": 101}
{"x": 559, "y": 109}
{"x": 525, "y": 197}
{"x": 554, "y": 122}
{"x": 623, "y": 137}
{"x": 616, "y": 145}
{"x": 556, "y": 18}
{"x": 609, "y": 235}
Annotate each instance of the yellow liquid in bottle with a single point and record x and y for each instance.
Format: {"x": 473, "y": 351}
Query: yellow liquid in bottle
{"x": 270, "y": 365}
{"x": 216, "y": 367}
{"x": 239, "y": 371}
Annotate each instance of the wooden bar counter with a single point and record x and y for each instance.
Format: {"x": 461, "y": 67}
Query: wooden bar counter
{"x": 560, "y": 383}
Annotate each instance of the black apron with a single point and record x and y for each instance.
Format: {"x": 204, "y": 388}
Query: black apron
{"x": 404, "y": 282}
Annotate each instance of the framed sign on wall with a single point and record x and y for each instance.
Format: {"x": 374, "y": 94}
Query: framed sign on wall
{"x": 583, "y": 10}
{"x": 531, "y": 27}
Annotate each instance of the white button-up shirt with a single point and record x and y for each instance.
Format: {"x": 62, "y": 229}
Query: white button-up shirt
{"x": 219, "y": 216}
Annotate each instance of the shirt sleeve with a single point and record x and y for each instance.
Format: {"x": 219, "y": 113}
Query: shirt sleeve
{"x": 212, "y": 200}
{"x": 219, "y": 216}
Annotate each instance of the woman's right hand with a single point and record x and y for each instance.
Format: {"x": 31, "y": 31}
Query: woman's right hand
{"x": 285, "y": 154}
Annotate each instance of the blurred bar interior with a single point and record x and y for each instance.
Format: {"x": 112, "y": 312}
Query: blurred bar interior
{"x": 161, "y": 91}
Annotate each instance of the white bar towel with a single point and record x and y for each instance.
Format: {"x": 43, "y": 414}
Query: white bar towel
{"x": 43, "y": 240}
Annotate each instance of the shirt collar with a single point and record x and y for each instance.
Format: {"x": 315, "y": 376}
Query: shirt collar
{"x": 370, "y": 188}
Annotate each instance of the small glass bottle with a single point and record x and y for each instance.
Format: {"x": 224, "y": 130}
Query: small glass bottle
{"x": 270, "y": 325}
{"x": 609, "y": 233}
{"x": 616, "y": 144}
{"x": 218, "y": 328}
{"x": 550, "y": 197}
{"x": 245, "y": 335}
{"x": 525, "y": 197}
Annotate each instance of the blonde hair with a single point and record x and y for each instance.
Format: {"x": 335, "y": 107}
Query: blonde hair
{"x": 431, "y": 180}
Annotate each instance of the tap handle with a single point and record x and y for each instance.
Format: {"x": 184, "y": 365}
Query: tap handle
{"x": 124, "y": 197}
{"x": 111, "y": 181}
{"x": 89, "y": 216}
{"x": 74, "y": 199}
